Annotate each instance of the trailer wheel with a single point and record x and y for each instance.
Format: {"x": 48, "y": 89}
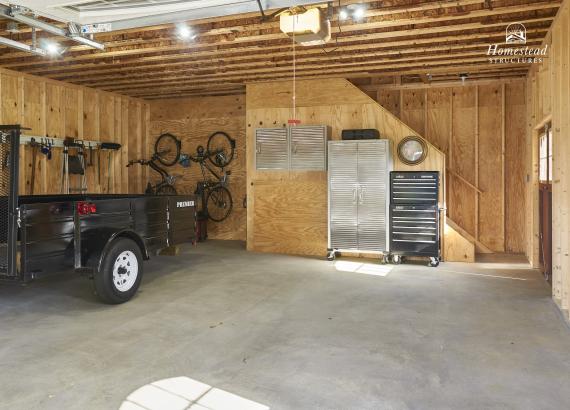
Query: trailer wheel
{"x": 121, "y": 272}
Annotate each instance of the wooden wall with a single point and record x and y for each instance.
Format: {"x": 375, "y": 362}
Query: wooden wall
{"x": 548, "y": 99}
{"x": 481, "y": 130}
{"x": 287, "y": 211}
{"x": 56, "y": 109}
{"x": 193, "y": 120}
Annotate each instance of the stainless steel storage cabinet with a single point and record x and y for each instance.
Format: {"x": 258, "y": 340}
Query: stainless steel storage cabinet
{"x": 300, "y": 148}
{"x": 358, "y": 195}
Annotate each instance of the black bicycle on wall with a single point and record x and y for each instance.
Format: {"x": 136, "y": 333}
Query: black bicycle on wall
{"x": 167, "y": 153}
{"x": 217, "y": 200}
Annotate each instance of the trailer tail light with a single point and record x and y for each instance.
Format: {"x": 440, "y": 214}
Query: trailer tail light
{"x": 86, "y": 208}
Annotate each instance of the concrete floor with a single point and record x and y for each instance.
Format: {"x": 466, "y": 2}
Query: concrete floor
{"x": 292, "y": 333}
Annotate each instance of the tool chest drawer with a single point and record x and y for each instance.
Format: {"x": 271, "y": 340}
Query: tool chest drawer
{"x": 414, "y": 188}
{"x": 414, "y": 229}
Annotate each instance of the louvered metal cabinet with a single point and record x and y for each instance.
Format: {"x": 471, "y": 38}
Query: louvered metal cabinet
{"x": 271, "y": 148}
{"x": 308, "y": 145}
{"x": 358, "y": 188}
{"x": 301, "y": 148}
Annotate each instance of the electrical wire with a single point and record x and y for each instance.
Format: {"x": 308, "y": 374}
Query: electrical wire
{"x": 339, "y": 25}
{"x": 294, "y": 73}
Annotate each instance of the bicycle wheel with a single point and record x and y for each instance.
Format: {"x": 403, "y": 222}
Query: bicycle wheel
{"x": 221, "y": 148}
{"x": 166, "y": 189}
{"x": 167, "y": 149}
{"x": 219, "y": 204}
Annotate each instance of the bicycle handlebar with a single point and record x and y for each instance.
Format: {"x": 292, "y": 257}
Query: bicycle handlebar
{"x": 137, "y": 161}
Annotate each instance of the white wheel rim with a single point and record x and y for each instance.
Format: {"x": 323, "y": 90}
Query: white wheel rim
{"x": 125, "y": 271}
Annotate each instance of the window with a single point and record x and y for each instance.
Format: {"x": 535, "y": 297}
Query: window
{"x": 545, "y": 156}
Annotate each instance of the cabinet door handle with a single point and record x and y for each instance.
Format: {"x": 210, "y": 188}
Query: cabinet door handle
{"x": 354, "y": 194}
{"x": 361, "y": 196}
{"x": 258, "y": 148}
{"x": 294, "y": 148}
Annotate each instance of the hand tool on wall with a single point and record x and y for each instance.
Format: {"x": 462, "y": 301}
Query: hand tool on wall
{"x": 34, "y": 145}
{"x": 99, "y": 166}
{"x": 74, "y": 165}
{"x": 46, "y": 148}
{"x": 111, "y": 147}
{"x": 64, "y": 171}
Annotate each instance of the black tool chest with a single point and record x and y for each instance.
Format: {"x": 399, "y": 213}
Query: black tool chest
{"x": 414, "y": 215}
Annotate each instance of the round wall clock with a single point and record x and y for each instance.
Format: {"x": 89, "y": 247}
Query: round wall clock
{"x": 412, "y": 150}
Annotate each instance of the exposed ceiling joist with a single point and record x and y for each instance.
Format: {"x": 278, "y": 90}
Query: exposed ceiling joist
{"x": 394, "y": 37}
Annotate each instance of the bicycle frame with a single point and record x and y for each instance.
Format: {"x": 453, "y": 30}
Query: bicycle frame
{"x": 166, "y": 179}
{"x": 204, "y": 165}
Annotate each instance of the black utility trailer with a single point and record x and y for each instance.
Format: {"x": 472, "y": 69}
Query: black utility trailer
{"x": 104, "y": 237}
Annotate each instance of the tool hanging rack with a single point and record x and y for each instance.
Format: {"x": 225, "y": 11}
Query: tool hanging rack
{"x": 59, "y": 142}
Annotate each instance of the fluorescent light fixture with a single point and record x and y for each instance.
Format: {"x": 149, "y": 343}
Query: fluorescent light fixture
{"x": 343, "y": 14}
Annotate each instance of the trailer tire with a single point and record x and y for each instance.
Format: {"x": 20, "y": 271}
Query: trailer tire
{"x": 121, "y": 272}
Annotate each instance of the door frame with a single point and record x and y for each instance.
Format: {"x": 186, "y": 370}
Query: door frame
{"x": 533, "y": 212}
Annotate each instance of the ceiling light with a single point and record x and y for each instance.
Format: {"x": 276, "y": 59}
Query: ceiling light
{"x": 343, "y": 14}
{"x": 52, "y": 48}
{"x": 358, "y": 13}
{"x": 185, "y": 33}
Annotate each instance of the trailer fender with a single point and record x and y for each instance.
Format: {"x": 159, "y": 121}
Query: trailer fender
{"x": 97, "y": 246}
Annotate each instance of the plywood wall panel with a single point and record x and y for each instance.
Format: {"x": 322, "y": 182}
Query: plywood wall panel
{"x": 57, "y": 110}
{"x": 34, "y": 94}
{"x": 193, "y": 120}
{"x": 118, "y": 165}
{"x": 463, "y": 158}
{"x": 390, "y": 99}
{"x": 90, "y": 114}
{"x": 490, "y": 167}
{"x": 438, "y": 118}
{"x": 413, "y": 111}
{"x": 548, "y": 90}
{"x": 287, "y": 210}
{"x": 135, "y": 146}
{"x": 72, "y": 114}
{"x": 279, "y": 94}
{"x": 278, "y": 211}
{"x": 515, "y": 157}
{"x": 454, "y": 129}
{"x": 11, "y": 99}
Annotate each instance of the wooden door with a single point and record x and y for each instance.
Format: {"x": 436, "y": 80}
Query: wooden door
{"x": 545, "y": 201}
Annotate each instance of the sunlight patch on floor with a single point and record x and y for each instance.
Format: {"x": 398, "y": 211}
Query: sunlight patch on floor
{"x": 181, "y": 393}
{"x": 363, "y": 267}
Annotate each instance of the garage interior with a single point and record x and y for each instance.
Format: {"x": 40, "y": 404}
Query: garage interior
{"x": 260, "y": 314}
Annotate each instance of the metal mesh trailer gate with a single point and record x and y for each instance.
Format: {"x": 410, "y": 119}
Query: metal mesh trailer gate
{"x": 9, "y": 157}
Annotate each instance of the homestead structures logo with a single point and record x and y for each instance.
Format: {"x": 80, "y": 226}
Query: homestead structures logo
{"x": 515, "y": 50}
{"x": 516, "y": 34}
